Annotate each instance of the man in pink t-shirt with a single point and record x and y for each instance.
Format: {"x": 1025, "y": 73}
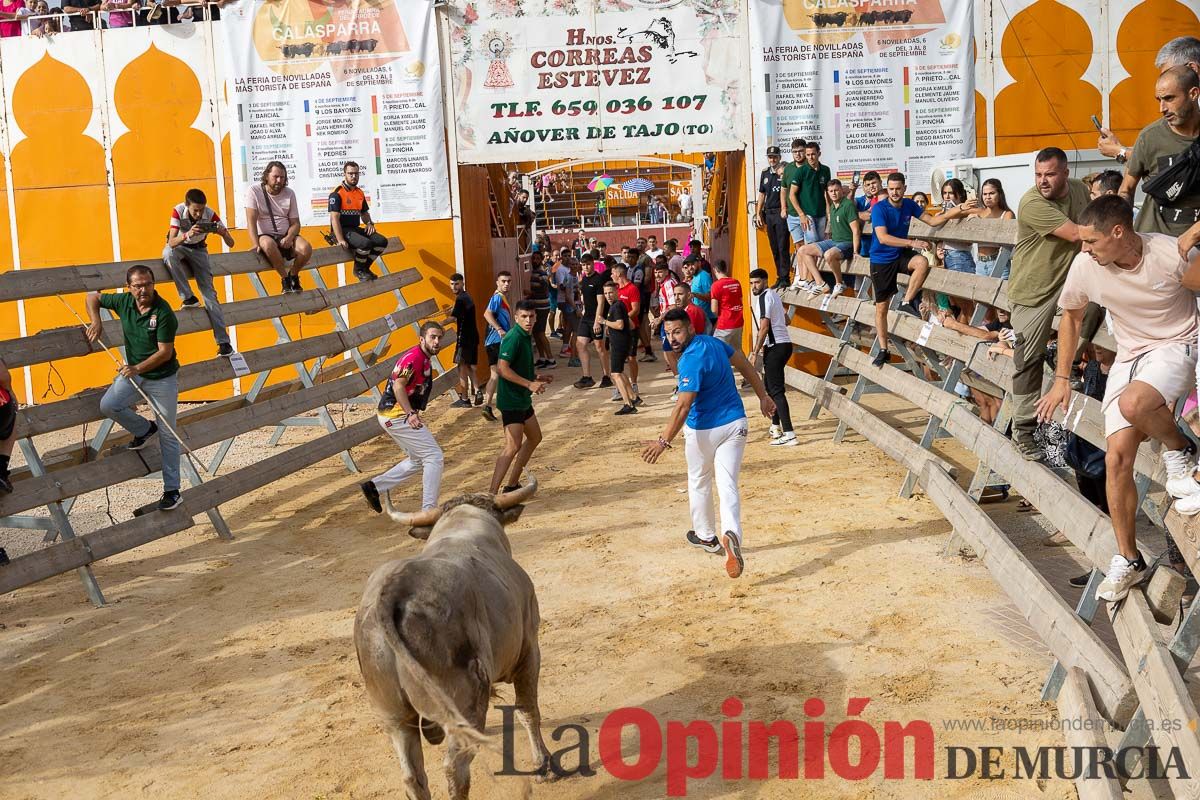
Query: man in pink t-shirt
{"x": 273, "y": 219}
{"x": 1147, "y": 289}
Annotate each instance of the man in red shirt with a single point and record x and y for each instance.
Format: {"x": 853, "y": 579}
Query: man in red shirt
{"x": 683, "y": 299}
{"x": 630, "y": 294}
{"x": 727, "y": 305}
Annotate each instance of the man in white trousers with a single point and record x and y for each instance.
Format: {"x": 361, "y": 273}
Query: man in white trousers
{"x": 404, "y": 398}
{"x": 714, "y": 434}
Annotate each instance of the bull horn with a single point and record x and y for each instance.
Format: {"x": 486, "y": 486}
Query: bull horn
{"x": 420, "y": 519}
{"x": 509, "y": 499}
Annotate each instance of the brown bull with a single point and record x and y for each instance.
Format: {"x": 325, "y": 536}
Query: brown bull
{"x": 436, "y": 631}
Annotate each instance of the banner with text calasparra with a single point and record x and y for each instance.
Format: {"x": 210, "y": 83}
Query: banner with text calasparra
{"x": 882, "y": 84}
{"x": 566, "y": 78}
{"x": 314, "y": 85}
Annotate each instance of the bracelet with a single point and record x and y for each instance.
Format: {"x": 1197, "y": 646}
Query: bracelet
{"x": 1062, "y": 377}
{"x": 664, "y": 443}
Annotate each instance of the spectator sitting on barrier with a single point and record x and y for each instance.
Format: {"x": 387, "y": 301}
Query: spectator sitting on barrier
{"x": 149, "y": 327}
{"x": 273, "y": 219}
{"x": 187, "y": 252}
{"x": 350, "y": 219}
{"x": 845, "y": 232}
{"x": 892, "y": 251}
{"x": 1147, "y": 289}
{"x": 872, "y": 194}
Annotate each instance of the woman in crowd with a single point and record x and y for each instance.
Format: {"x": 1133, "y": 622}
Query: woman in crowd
{"x": 995, "y": 206}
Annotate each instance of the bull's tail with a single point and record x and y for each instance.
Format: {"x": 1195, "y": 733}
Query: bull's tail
{"x": 444, "y": 713}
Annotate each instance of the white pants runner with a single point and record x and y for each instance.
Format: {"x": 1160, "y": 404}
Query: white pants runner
{"x": 424, "y": 455}
{"x": 715, "y": 452}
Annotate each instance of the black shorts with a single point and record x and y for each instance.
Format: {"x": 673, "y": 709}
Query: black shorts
{"x": 586, "y": 328}
{"x": 883, "y": 276}
{"x": 8, "y": 418}
{"x": 288, "y": 253}
{"x": 515, "y": 417}
{"x": 467, "y": 353}
{"x": 543, "y": 314}
{"x": 493, "y": 354}
{"x": 619, "y": 349}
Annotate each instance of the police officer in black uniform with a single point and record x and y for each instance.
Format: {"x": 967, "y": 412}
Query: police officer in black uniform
{"x": 768, "y": 215}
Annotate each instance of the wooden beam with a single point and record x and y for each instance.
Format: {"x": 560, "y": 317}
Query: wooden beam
{"x": 49, "y": 281}
{"x": 1084, "y": 728}
{"x": 59, "y": 343}
{"x": 987, "y": 232}
{"x": 73, "y": 553}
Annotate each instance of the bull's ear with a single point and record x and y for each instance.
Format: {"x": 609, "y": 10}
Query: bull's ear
{"x": 510, "y": 515}
{"x": 421, "y": 532}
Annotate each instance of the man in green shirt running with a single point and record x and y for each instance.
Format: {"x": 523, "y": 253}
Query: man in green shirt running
{"x": 514, "y": 398}
{"x": 149, "y": 327}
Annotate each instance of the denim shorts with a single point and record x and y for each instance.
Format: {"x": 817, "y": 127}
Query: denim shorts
{"x": 845, "y": 248}
{"x": 795, "y": 229}
{"x": 985, "y": 264}
{"x": 960, "y": 261}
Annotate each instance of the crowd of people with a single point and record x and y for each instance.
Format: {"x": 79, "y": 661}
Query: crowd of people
{"x": 38, "y": 18}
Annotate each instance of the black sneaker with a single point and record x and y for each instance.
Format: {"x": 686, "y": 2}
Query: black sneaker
{"x": 191, "y": 301}
{"x": 512, "y": 487}
{"x": 910, "y": 308}
{"x": 138, "y": 442}
{"x": 1080, "y": 580}
{"x": 461, "y": 402}
{"x": 550, "y": 363}
{"x": 623, "y": 410}
{"x": 707, "y": 545}
{"x": 637, "y": 401}
{"x": 296, "y": 287}
{"x": 586, "y": 382}
{"x": 479, "y": 397}
{"x": 539, "y": 364}
{"x": 225, "y": 349}
{"x": 880, "y": 358}
{"x": 372, "y": 494}
{"x": 6, "y": 483}
{"x": 365, "y": 275}
{"x": 489, "y": 414}
{"x": 605, "y": 382}
{"x": 3, "y": 557}
{"x": 169, "y": 500}
{"x": 286, "y": 282}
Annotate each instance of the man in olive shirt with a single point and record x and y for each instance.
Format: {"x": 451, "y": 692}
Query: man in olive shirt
{"x": 514, "y": 397}
{"x": 149, "y": 327}
{"x": 1047, "y": 242}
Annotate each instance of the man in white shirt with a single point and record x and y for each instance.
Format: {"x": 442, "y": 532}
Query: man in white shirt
{"x": 653, "y": 251}
{"x": 771, "y": 340}
{"x": 1147, "y": 288}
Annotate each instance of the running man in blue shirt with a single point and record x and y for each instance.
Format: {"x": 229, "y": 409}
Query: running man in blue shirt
{"x": 714, "y": 435}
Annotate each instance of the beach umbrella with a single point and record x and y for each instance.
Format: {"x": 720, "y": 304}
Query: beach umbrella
{"x": 636, "y": 185}
{"x": 600, "y": 183}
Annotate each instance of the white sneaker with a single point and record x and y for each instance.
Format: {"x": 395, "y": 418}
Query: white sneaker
{"x": 815, "y": 288}
{"x": 786, "y": 440}
{"x": 775, "y": 432}
{"x": 1180, "y": 467}
{"x": 616, "y": 395}
{"x": 1188, "y": 506}
{"x": 1122, "y": 576}
{"x": 838, "y": 288}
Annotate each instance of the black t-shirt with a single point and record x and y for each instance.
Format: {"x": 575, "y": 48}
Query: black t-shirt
{"x": 524, "y": 215}
{"x": 592, "y": 288}
{"x": 464, "y": 314}
{"x": 617, "y": 311}
{"x": 83, "y": 22}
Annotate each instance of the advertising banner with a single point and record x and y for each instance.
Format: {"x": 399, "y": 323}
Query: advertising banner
{"x": 881, "y": 84}
{"x": 315, "y": 85}
{"x": 564, "y": 78}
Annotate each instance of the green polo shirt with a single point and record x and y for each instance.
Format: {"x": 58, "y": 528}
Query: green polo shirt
{"x": 840, "y": 219}
{"x": 144, "y": 332}
{"x": 517, "y": 349}
{"x": 791, "y": 175}
{"x": 812, "y": 189}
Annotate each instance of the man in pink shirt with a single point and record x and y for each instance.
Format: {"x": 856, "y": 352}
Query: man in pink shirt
{"x": 1147, "y": 289}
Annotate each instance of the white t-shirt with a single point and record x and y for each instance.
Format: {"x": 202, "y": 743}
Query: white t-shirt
{"x": 654, "y": 254}
{"x": 1148, "y": 304}
{"x": 768, "y": 305}
{"x": 275, "y": 211}
{"x": 685, "y": 203}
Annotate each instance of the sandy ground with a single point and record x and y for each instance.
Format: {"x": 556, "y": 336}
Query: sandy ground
{"x": 227, "y": 669}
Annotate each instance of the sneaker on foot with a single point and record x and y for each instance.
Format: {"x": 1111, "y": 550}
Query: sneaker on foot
{"x": 1180, "y": 466}
{"x": 734, "y": 563}
{"x": 169, "y": 500}
{"x": 550, "y": 364}
{"x": 371, "y": 492}
{"x": 138, "y": 442}
{"x": 586, "y": 382}
{"x": 4, "y": 557}
{"x": 815, "y": 288}
{"x": 786, "y": 440}
{"x": 286, "y": 282}
{"x": 574, "y": 362}
{"x": 488, "y": 413}
{"x": 637, "y": 401}
{"x": 461, "y": 402}
{"x": 838, "y": 289}
{"x": 1122, "y": 576}
{"x": 1188, "y": 506}
{"x": 191, "y": 301}
{"x": 296, "y": 287}
{"x": 909, "y": 308}
{"x": 647, "y": 358}
{"x": 1079, "y": 581}
{"x": 707, "y": 545}
{"x": 1029, "y": 450}
{"x": 623, "y": 410}
{"x": 6, "y": 483}
{"x": 616, "y": 396}
{"x": 225, "y": 349}
{"x": 605, "y": 382}
{"x": 364, "y": 274}
{"x": 479, "y": 397}
{"x": 775, "y": 431}
{"x": 880, "y": 358}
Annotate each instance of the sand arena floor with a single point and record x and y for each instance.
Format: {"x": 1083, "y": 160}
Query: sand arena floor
{"x": 227, "y": 670}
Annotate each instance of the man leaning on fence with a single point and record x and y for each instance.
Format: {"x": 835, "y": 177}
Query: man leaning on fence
{"x": 1147, "y": 288}
{"x": 186, "y": 254}
{"x": 149, "y": 327}
{"x": 1047, "y": 241}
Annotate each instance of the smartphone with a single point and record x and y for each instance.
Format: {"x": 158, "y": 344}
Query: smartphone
{"x": 856, "y": 177}
{"x": 1096, "y": 122}
{"x": 206, "y": 227}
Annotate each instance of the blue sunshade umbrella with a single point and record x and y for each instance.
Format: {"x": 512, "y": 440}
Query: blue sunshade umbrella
{"x": 636, "y": 185}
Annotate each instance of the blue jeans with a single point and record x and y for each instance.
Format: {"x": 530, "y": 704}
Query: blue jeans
{"x": 960, "y": 261}
{"x": 984, "y": 267}
{"x": 118, "y": 402}
{"x": 815, "y": 231}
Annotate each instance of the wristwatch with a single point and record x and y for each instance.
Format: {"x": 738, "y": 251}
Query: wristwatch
{"x": 1123, "y": 155}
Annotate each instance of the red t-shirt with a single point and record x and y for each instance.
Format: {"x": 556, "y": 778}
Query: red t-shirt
{"x": 728, "y": 294}
{"x": 696, "y": 315}
{"x": 630, "y": 294}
